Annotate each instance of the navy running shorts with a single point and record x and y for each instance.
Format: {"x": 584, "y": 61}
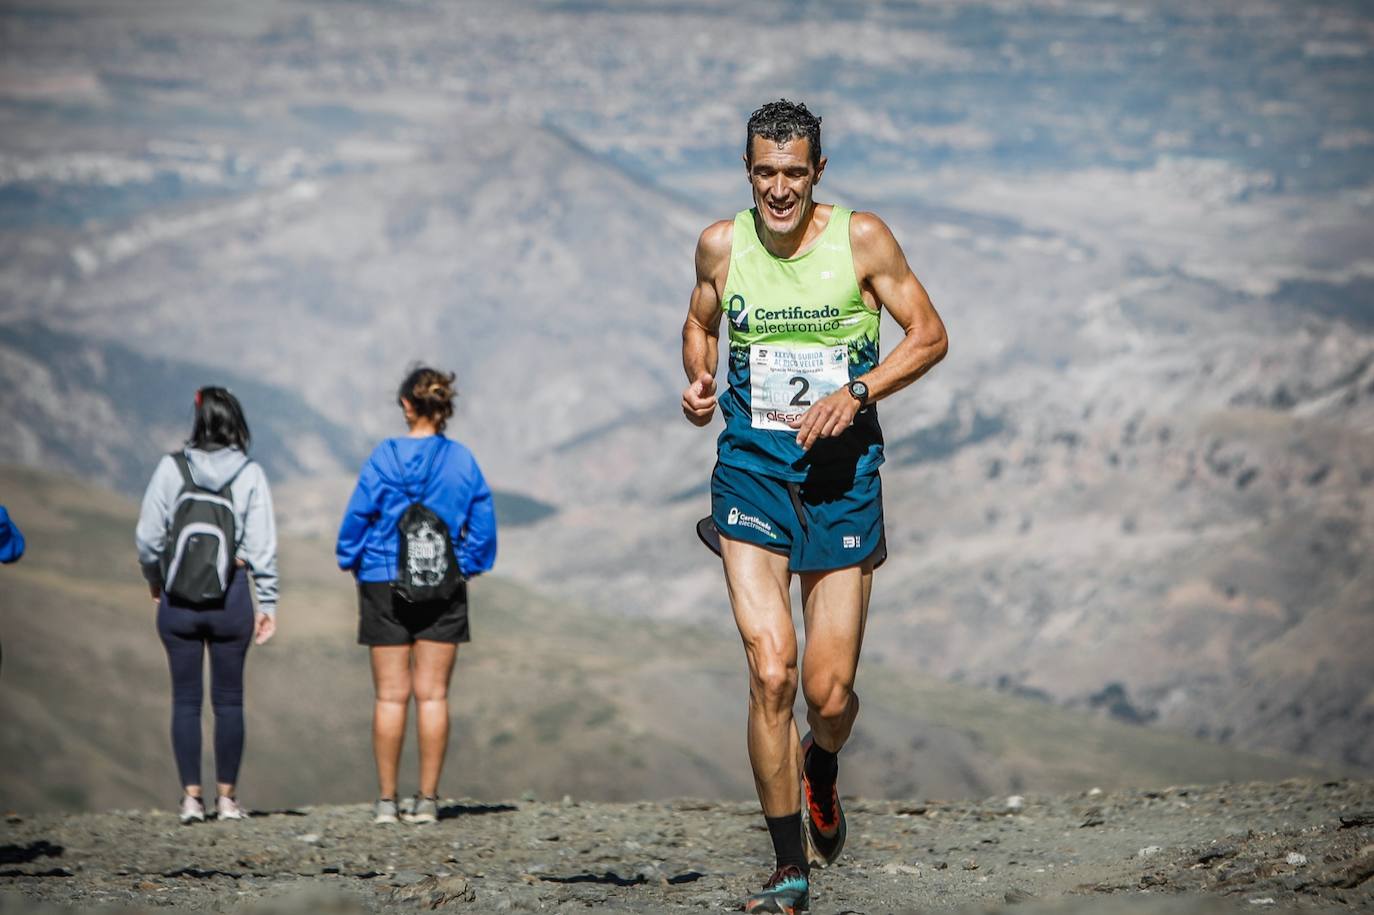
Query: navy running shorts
{"x": 819, "y": 525}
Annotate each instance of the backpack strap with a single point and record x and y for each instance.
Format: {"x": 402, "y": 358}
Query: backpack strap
{"x": 184, "y": 465}
{"x": 224, "y": 490}
{"x": 179, "y": 458}
{"x": 400, "y": 468}
{"x": 434, "y": 459}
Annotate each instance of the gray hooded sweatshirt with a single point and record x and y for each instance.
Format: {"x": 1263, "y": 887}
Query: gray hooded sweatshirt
{"x": 256, "y": 528}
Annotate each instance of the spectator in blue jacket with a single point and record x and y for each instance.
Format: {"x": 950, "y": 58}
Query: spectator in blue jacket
{"x": 11, "y": 540}
{"x": 413, "y": 645}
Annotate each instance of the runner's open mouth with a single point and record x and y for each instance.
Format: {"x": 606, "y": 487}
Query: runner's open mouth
{"x": 781, "y": 210}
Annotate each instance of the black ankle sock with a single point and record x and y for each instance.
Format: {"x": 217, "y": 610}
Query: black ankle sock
{"x": 822, "y": 767}
{"x": 787, "y": 840}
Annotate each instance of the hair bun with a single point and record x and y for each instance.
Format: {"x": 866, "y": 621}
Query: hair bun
{"x": 430, "y": 394}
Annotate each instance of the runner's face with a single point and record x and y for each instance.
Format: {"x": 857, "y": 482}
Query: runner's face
{"x": 783, "y": 178}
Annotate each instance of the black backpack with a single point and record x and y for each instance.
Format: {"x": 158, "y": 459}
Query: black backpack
{"x": 426, "y": 567}
{"x": 198, "y": 558}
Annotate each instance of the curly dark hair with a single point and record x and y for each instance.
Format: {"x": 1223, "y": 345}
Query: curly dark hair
{"x": 430, "y": 393}
{"x": 781, "y": 121}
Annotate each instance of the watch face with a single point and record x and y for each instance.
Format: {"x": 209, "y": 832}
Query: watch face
{"x": 858, "y": 389}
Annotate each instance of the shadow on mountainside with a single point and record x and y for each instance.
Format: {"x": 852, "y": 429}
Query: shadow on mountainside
{"x": 24, "y": 854}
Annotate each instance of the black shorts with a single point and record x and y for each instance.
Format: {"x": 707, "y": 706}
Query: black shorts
{"x": 385, "y": 619}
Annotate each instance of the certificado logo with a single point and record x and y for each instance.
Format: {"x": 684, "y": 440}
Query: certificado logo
{"x": 737, "y": 518}
{"x": 738, "y": 311}
{"x": 797, "y": 319}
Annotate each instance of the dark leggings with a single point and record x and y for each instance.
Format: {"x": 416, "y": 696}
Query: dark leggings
{"x": 228, "y": 631}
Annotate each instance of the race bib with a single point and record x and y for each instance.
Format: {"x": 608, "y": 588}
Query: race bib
{"x": 784, "y": 382}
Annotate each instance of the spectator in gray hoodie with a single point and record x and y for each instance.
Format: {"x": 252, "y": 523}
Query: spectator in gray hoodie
{"x": 215, "y": 456}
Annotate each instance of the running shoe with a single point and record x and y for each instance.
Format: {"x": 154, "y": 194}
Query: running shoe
{"x": 192, "y": 810}
{"x": 825, "y": 826}
{"x": 226, "y": 808}
{"x": 385, "y": 811}
{"x": 423, "y": 810}
{"x": 786, "y": 892}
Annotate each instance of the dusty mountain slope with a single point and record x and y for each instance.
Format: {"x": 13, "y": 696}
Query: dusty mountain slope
{"x": 1287, "y": 846}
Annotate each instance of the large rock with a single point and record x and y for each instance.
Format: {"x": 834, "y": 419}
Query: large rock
{"x": 436, "y": 892}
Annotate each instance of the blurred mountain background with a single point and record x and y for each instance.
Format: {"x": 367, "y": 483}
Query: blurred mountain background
{"x": 1138, "y": 490}
{"x": 551, "y": 697}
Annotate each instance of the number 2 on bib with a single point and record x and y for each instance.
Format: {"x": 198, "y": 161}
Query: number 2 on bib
{"x": 785, "y": 381}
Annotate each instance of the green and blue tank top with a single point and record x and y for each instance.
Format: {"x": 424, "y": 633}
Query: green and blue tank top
{"x": 798, "y": 330}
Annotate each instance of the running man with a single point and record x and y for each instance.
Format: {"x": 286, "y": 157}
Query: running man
{"x": 795, "y": 489}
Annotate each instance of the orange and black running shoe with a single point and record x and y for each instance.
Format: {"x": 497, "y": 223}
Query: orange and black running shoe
{"x": 825, "y": 826}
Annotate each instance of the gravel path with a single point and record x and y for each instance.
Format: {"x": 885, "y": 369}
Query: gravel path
{"x": 1293, "y": 845}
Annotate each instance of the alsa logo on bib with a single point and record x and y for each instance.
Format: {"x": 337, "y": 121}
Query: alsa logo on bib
{"x": 737, "y": 518}
{"x": 781, "y": 416}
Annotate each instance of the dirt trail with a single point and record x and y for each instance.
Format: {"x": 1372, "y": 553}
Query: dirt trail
{"x": 1292, "y": 845}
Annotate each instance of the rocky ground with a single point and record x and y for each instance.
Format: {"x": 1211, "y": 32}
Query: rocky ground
{"x": 1292, "y": 845}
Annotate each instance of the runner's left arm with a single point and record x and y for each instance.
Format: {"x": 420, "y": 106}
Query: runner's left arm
{"x": 882, "y": 271}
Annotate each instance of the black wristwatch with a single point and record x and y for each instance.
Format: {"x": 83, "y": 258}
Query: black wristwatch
{"x": 859, "y": 391}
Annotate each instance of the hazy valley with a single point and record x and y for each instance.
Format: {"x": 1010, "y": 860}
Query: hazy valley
{"x": 551, "y": 697}
{"x": 1140, "y": 484}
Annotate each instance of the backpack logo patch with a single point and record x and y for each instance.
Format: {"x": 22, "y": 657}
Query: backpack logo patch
{"x": 426, "y": 555}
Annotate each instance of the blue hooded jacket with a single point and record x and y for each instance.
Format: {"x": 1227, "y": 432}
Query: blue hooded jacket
{"x": 11, "y": 540}
{"x": 455, "y": 491}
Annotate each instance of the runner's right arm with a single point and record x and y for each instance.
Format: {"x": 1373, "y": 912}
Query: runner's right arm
{"x": 701, "y": 332}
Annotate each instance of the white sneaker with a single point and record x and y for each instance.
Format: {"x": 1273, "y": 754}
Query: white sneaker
{"x": 192, "y": 810}
{"x": 226, "y": 808}
{"x": 423, "y": 810}
{"x": 385, "y": 811}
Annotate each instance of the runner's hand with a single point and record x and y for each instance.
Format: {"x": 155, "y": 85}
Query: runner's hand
{"x": 264, "y": 627}
{"x": 155, "y": 591}
{"x": 699, "y": 400}
{"x": 826, "y": 418}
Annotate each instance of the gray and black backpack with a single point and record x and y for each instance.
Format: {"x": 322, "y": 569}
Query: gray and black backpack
{"x": 201, "y": 539}
{"x": 426, "y": 568}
